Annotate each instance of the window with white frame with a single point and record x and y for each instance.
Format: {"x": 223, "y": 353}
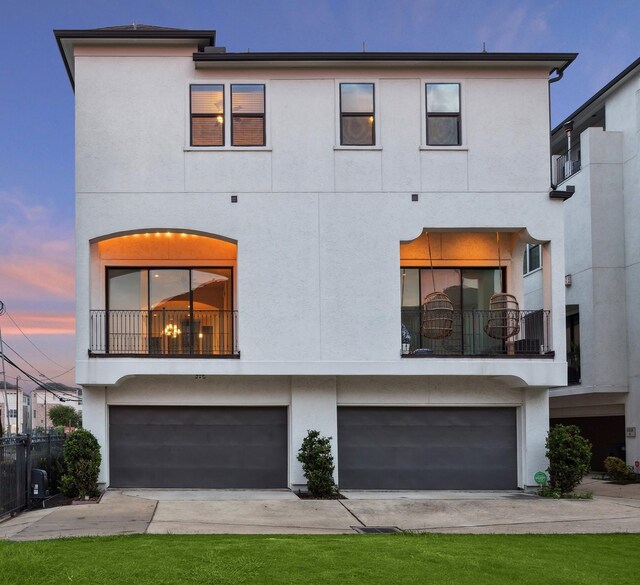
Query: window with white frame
{"x": 357, "y": 114}
{"x": 208, "y": 104}
{"x": 443, "y": 114}
{"x": 532, "y": 258}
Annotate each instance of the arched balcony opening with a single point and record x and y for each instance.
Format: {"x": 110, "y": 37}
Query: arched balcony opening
{"x": 471, "y": 269}
{"x": 163, "y": 294}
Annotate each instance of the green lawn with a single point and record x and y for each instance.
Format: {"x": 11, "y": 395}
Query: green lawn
{"x": 389, "y": 559}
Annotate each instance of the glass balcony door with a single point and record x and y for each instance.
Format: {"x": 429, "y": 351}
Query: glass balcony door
{"x": 170, "y": 311}
{"x": 469, "y": 290}
{"x": 170, "y": 304}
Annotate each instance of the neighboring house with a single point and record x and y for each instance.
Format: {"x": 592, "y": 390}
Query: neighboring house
{"x": 255, "y": 237}
{"x": 602, "y": 250}
{"x": 17, "y": 405}
{"x": 42, "y": 401}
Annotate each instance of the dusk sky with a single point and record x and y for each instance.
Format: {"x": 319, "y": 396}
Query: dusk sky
{"x": 36, "y": 113}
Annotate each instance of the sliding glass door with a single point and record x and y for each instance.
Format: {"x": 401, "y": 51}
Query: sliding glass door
{"x": 469, "y": 290}
{"x": 170, "y": 311}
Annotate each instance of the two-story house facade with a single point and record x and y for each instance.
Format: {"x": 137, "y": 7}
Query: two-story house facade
{"x": 257, "y": 234}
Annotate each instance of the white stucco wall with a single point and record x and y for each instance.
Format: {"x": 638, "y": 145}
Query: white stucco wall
{"x": 318, "y": 226}
{"x": 318, "y": 229}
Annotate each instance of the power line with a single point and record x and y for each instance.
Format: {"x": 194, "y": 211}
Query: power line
{"x": 63, "y": 373}
{"x": 30, "y": 364}
{"x": 36, "y": 369}
{"x": 31, "y": 342}
{"x": 40, "y": 384}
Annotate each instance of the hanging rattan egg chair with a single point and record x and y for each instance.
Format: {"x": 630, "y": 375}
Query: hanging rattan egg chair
{"x": 437, "y": 310}
{"x": 504, "y": 312}
{"x": 437, "y": 316}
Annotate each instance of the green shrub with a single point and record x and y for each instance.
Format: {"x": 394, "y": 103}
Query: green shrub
{"x": 317, "y": 465}
{"x": 55, "y": 471}
{"x": 62, "y": 415}
{"x": 618, "y": 470}
{"x": 569, "y": 455}
{"x": 82, "y": 459}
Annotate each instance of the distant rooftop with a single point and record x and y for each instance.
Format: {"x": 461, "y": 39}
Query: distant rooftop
{"x": 140, "y": 27}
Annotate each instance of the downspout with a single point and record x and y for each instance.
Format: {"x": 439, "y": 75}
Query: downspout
{"x": 570, "y": 190}
{"x": 558, "y": 77}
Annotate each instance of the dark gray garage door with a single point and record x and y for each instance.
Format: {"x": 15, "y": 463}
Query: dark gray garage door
{"x": 198, "y": 447}
{"x": 427, "y": 448}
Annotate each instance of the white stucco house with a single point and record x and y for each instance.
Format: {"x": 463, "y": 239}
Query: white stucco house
{"x": 256, "y": 235}
{"x": 595, "y": 150}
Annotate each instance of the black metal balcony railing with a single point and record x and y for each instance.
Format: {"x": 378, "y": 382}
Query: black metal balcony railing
{"x": 163, "y": 333}
{"x": 567, "y": 164}
{"x": 469, "y": 335}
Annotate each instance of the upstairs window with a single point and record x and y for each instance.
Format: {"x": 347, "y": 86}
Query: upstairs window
{"x": 247, "y": 115}
{"x": 443, "y": 114}
{"x": 532, "y": 258}
{"x": 207, "y": 115}
{"x": 357, "y": 114}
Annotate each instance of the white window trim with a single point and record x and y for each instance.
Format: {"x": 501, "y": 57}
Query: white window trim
{"x": 227, "y": 82}
{"x": 376, "y": 113}
{"x": 355, "y": 147}
{"x": 455, "y": 147}
{"x": 423, "y": 113}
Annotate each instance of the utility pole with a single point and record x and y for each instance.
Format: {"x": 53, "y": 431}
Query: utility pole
{"x": 4, "y": 374}
{"x": 17, "y": 404}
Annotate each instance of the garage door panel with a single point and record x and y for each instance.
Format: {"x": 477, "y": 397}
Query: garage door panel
{"x": 427, "y": 448}
{"x": 198, "y": 447}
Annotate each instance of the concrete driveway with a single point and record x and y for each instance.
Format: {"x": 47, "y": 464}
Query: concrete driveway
{"x": 614, "y": 509}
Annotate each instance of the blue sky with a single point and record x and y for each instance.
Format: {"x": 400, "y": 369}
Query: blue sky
{"x": 36, "y": 113}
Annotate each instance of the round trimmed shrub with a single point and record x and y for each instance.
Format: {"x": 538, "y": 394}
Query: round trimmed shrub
{"x": 317, "y": 465}
{"x": 618, "y": 470}
{"x": 569, "y": 455}
{"x": 82, "y": 459}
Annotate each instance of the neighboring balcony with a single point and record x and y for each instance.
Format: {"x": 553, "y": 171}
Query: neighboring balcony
{"x": 567, "y": 164}
{"x": 474, "y": 332}
{"x": 164, "y": 333}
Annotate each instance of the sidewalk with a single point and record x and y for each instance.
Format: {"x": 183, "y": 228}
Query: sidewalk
{"x": 614, "y": 508}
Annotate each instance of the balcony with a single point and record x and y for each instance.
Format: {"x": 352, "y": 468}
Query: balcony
{"x": 469, "y": 336}
{"x": 164, "y": 333}
{"x": 567, "y": 163}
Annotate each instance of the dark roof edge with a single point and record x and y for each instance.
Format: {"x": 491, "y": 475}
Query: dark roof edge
{"x": 61, "y": 34}
{"x": 64, "y": 59}
{"x": 135, "y": 34}
{"x": 617, "y": 79}
{"x": 386, "y": 56}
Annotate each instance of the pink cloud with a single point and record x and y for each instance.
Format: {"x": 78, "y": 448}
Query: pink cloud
{"x": 35, "y": 278}
{"x": 39, "y": 324}
{"x": 38, "y": 260}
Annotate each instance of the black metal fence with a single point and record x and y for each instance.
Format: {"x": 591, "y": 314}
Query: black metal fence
{"x": 164, "y": 333}
{"x": 18, "y": 456}
{"x": 568, "y": 163}
{"x": 471, "y": 334}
